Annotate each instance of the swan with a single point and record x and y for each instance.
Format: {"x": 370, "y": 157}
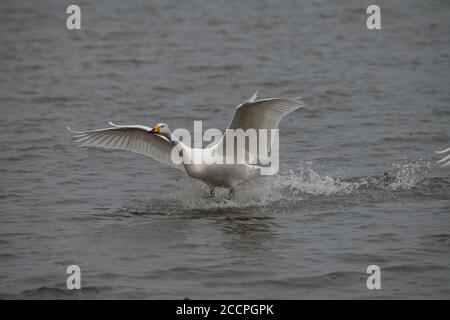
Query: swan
{"x": 444, "y": 162}
{"x": 158, "y": 142}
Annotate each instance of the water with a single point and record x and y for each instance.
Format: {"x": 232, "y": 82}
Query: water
{"x": 358, "y": 184}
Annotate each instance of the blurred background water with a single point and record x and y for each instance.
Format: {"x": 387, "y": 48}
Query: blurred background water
{"x": 358, "y": 183}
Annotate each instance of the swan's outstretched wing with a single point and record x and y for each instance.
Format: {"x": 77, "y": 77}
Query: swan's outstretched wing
{"x": 443, "y": 151}
{"x": 444, "y": 162}
{"x": 134, "y": 138}
{"x": 260, "y": 114}
{"x": 263, "y": 114}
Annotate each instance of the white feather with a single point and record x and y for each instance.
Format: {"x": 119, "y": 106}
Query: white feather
{"x": 134, "y": 138}
{"x": 443, "y": 151}
{"x": 260, "y": 114}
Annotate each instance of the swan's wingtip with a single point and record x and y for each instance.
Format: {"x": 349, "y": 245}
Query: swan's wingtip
{"x": 77, "y": 133}
{"x": 442, "y": 151}
{"x": 300, "y": 102}
{"x": 253, "y": 97}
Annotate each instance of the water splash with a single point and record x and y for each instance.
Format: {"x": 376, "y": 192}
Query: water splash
{"x": 304, "y": 183}
{"x": 408, "y": 173}
{"x": 291, "y": 185}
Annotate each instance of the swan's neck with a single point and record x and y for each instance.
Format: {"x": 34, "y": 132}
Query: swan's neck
{"x": 180, "y": 145}
{"x": 174, "y": 140}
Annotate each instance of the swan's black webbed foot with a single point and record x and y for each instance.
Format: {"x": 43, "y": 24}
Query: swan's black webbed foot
{"x": 230, "y": 194}
{"x": 212, "y": 193}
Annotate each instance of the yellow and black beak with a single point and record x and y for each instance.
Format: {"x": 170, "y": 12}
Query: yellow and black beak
{"x": 155, "y": 129}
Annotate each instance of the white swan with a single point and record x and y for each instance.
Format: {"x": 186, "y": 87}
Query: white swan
{"x": 158, "y": 142}
{"x": 444, "y": 162}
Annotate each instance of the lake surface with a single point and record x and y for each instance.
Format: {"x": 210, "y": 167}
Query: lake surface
{"x": 358, "y": 183}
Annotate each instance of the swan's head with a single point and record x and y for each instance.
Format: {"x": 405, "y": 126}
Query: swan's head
{"x": 162, "y": 129}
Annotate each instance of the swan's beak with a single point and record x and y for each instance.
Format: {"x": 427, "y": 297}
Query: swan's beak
{"x": 155, "y": 129}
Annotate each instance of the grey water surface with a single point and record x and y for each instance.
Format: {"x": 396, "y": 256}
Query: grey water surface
{"x": 358, "y": 183}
